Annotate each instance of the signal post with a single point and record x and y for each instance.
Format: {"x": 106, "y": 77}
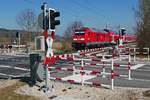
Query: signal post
{"x": 49, "y": 23}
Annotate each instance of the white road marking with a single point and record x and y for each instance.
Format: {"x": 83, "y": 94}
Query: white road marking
{"x": 140, "y": 79}
{"x": 78, "y": 77}
{"x": 109, "y": 60}
{"x": 21, "y": 68}
{"x": 146, "y": 67}
{"x": 4, "y": 66}
{"x": 137, "y": 66}
{"x": 8, "y": 75}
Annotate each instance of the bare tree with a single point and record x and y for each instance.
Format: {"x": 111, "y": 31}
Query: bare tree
{"x": 27, "y": 21}
{"x": 143, "y": 23}
{"x": 71, "y": 29}
{"x": 67, "y": 42}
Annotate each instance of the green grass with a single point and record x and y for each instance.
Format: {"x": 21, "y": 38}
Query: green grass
{"x": 8, "y": 93}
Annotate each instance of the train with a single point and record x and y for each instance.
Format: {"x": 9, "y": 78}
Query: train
{"x": 85, "y": 38}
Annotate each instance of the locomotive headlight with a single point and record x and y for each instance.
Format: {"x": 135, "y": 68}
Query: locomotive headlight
{"x": 74, "y": 39}
{"x": 82, "y": 39}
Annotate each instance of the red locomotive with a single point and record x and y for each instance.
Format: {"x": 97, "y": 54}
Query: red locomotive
{"x": 90, "y": 38}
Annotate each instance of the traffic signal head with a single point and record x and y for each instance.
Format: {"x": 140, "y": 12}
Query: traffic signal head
{"x": 123, "y": 32}
{"x": 43, "y": 18}
{"x": 53, "y": 21}
{"x": 17, "y": 34}
{"x": 43, "y": 6}
{"x": 106, "y": 30}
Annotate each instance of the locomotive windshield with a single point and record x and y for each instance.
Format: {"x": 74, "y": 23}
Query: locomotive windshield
{"x": 79, "y": 32}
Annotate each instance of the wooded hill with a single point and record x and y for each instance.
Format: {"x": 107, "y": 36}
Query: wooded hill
{"x": 7, "y": 36}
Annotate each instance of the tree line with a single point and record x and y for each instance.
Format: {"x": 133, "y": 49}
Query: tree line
{"x": 143, "y": 24}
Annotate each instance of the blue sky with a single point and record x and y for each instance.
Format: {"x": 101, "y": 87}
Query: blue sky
{"x": 92, "y": 13}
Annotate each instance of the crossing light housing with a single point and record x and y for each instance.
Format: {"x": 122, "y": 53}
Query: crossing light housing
{"x": 44, "y": 18}
{"x": 53, "y": 22}
{"x": 17, "y": 34}
{"x": 123, "y": 32}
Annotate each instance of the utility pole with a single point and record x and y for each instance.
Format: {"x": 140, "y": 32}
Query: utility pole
{"x": 44, "y": 11}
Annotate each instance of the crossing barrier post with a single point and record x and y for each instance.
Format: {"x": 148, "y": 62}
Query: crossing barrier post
{"x": 103, "y": 75}
{"x": 129, "y": 68}
{"x": 148, "y": 54}
{"x": 134, "y": 54}
{"x": 82, "y": 72}
{"x": 112, "y": 73}
{"x": 74, "y": 70}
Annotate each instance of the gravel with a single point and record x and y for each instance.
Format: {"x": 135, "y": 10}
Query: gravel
{"x": 65, "y": 91}
{"x": 6, "y": 83}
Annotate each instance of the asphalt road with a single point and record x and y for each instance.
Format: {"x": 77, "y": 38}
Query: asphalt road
{"x": 17, "y": 66}
{"x": 13, "y": 66}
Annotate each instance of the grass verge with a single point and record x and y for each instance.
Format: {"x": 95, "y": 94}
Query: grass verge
{"x": 8, "y": 93}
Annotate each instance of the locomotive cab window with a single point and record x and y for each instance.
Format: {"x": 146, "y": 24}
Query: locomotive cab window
{"x": 79, "y": 32}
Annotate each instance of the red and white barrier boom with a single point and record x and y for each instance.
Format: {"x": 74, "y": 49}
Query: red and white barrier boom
{"x": 83, "y": 73}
